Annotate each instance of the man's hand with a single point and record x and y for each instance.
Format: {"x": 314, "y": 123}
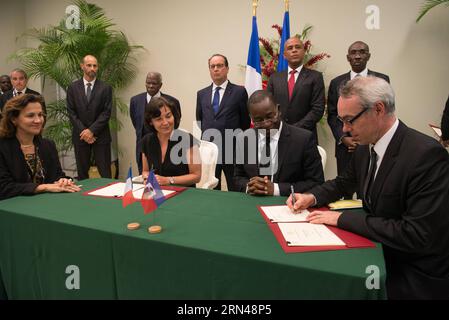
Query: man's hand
{"x": 302, "y": 201}
{"x": 324, "y": 217}
{"x": 258, "y": 186}
{"x": 349, "y": 143}
{"x": 87, "y": 135}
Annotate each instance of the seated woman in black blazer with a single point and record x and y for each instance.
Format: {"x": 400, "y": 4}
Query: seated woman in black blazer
{"x": 173, "y": 154}
{"x": 29, "y": 164}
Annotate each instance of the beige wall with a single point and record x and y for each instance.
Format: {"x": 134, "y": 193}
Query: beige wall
{"x": 180, "y": 35}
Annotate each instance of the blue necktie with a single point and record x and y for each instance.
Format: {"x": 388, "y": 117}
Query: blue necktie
{"x": 216, "y": 100}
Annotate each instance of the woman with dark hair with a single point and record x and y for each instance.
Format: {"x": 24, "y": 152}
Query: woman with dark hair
{"x": 173, "y": 154}
{"x": 29, "y": 164}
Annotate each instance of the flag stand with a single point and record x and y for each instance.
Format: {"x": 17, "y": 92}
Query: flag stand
{"x": 154, "y": 228}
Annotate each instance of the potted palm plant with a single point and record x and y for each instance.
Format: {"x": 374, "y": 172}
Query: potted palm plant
{"x": 58, "y": 55}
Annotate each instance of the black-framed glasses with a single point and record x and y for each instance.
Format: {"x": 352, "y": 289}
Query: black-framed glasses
{"x": 271, "y": 119}
{"x": 350, "y": 122}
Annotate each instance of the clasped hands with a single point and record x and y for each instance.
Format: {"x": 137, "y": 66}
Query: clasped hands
{"x": 88, "y": 136}
{"x": 161, "y": 180}
{"x": 62, "y": 185}
{"x": 306, "y": 200}
{"x": 258, "y": 186}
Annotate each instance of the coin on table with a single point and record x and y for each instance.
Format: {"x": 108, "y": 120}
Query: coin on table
{"x": 154, "y": 229}
{"x": 133, "y": 226}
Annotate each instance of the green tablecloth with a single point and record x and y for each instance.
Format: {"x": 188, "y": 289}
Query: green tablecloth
{"x": 214, "y": 245}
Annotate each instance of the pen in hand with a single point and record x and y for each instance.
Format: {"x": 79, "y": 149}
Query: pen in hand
{"x": 293, "y": 195}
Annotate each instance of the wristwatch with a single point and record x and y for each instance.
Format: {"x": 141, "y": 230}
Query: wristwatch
{"x": 171, "y": 180}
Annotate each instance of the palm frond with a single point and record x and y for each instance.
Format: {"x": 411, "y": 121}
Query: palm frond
{"x": 429, "y": 4}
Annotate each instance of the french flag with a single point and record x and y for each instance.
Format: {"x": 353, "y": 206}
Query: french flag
{"x": 152, "y": 196}
{"x": 128, "y": 197}
{"x": 253, "y": 79}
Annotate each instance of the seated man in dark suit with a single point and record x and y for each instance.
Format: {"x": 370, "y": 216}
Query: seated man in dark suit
{"x": 19, "y": 80}
{"x": 358, "y": 56}
{"x": 404, "y": 176}
{"x": 137, "y": 105}
{"x": 290, "y": 158}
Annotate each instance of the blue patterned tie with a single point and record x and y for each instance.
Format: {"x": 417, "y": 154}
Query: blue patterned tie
{"x": 216, "y": 100}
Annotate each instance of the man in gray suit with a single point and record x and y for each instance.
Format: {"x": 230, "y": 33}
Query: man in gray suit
{"x": 298, "y": 90}
{"x": 89, "y": 104}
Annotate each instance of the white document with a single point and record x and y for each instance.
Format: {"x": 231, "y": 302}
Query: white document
{"x": 117, "y": 190}
{"x": 283, "y": 214}
{"x": 308, "y": 234}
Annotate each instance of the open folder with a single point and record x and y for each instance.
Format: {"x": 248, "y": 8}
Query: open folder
{"x": 116, "y": 189}
{"x": 350, "y": 239}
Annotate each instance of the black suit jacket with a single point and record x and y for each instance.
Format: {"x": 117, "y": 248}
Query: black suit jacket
{"x": 332, "y": 99}
{"x": 9, "y": 95}
{"x": 93, "y": 115}
{"x": 306, "y": 107}
{"x": 445, "y": 122}
{"x": 410, "y": 201}
{"x": 232, "y": 113}
{"x": 302, "y": 168}
{"x": 14, "y": 177}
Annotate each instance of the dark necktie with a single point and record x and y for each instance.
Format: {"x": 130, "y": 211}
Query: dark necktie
{"x": 88, "y": 91}
{"x": 370, "y": 179}
{"x": 216, "y": 100}
{"x": 265, "y": 158}
{"x": 291, "y": 84}
{"x": 19, "y": 93}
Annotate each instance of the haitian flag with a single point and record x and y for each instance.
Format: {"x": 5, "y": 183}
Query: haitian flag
{"x": 152, "y": 196}
{"x": 128, "y": 197}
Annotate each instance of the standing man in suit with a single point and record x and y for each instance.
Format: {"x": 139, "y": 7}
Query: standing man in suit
{"x": 220, "y": 106}
{"x": 299, "y": 91}
{"x": 137, "y": 105}
{"x": 5, "y": 84}
{"x": 89, "y": 105}
{"x": 358, "y": 56}
{"x": 404, "y": 176}
{"x": 19, "y": 81}
{"x": 271, "y": 142}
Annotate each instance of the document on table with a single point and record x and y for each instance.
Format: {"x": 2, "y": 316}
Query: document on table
{"x": 283, "y": 214}
{"x": 116, "y": 190}
{"x": 308, "y": 234}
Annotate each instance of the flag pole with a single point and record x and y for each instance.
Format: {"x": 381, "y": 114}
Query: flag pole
{"x": 255, "y": 4}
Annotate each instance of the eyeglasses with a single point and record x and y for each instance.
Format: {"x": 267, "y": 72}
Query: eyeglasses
{"x": 218, "y": 66}
{"x": 350, "y": 122}
{"x": 258, "y": 123}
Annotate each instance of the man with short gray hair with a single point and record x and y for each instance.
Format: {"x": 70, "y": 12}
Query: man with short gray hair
{"x": 403, "y": 176}
{"x": 19, "y": 81}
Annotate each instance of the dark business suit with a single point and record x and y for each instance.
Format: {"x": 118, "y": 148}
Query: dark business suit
{"x": 341, "y": 151}
{"x": 137, "y": 112}
{"x": 10, "y": 94}
{"x": 301, "y": 168}
{"x": 93, "y": 115}
{"x": 306, "y": 106}
{"x": 410, "y": 199}
{"x": 445, "y": 122}
{"x": 232, "y": 114}
{"x": 14, "y": 177}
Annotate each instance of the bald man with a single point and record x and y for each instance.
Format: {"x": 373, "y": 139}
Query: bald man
{"x": 153, "y": 84}
{"x": 298, "y": 90}
{"x": 89, "y": 105}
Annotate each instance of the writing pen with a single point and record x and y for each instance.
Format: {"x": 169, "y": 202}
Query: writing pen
{"x": 293, "y": 195}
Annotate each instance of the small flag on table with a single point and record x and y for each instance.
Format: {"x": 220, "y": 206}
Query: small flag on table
{"x": 128, "y": 197}
{"x": 152, "y": 196}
